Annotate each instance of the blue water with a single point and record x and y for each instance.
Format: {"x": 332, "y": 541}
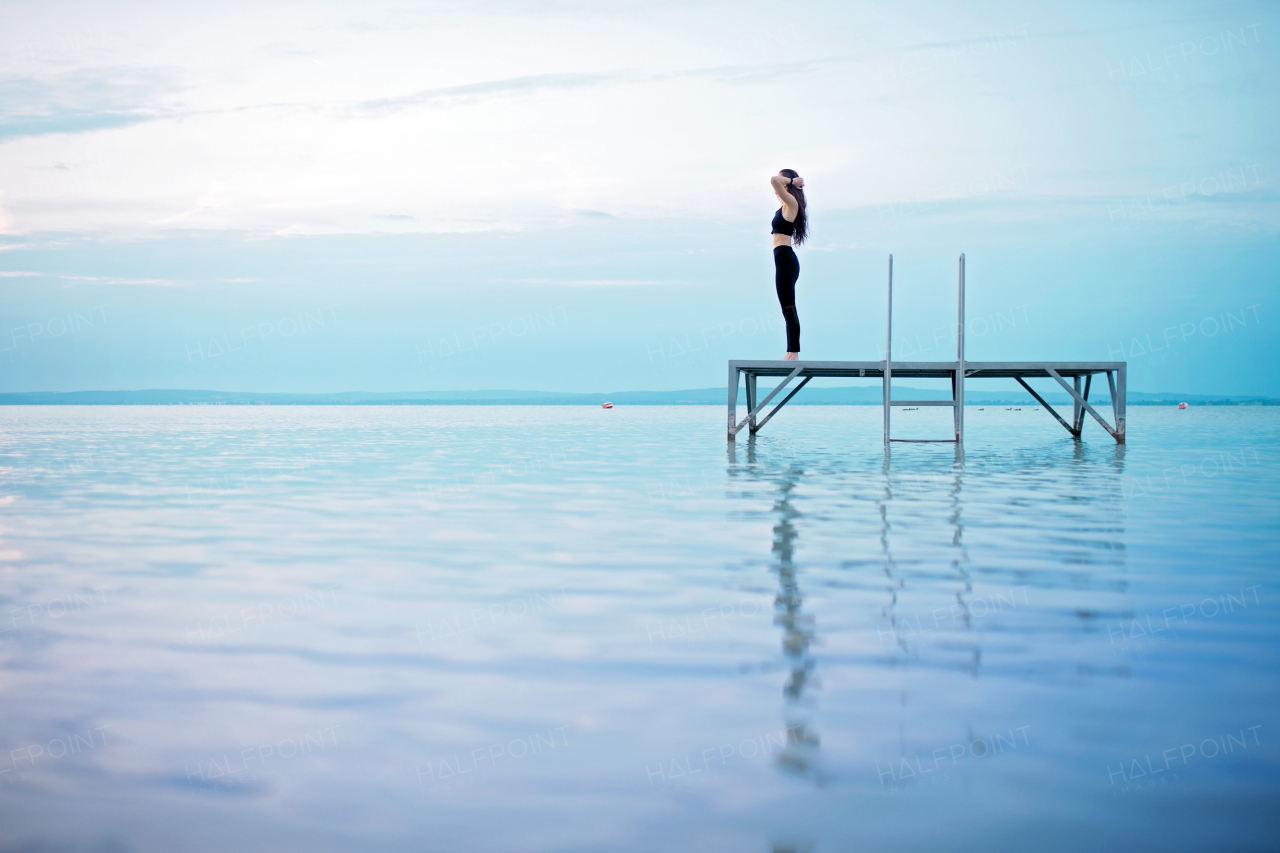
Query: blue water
{"x": 570, "y": 629}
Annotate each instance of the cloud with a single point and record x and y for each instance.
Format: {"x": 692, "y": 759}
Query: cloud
{"x": 594, "y": 282}
{"x": 154, "y": 282}
{"x": 735, "y": 74}
{"x": 158, "y": 282}
{"x": 471, "y": 91}
{"x": 20, "y": 126}
{"x": 82, "y": 101}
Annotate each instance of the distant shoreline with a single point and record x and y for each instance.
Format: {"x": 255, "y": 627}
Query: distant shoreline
{"x": 829, "y": 396}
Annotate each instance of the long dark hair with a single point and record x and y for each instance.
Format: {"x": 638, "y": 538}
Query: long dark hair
{"x": 802, "y": 218}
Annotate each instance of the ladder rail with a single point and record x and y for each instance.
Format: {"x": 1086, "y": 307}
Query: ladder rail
{"x": 957, "y": 377}
{"x": 888, "y": 354}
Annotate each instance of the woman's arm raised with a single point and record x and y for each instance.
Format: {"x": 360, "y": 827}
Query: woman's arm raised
{"x": 790, "y": 207}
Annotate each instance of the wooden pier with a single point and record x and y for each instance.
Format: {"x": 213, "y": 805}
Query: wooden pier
{"x": 957, "y": 371}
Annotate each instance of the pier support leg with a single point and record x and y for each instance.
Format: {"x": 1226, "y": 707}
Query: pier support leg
{"x": 955, "y": 425}
{"x": 1114, "y": 433}
{"x": 957, "y": 400}
{"x": 1120, "y": 413}
{"x": 1118, "y": 393}
{"x": 1078, "y": 423}
{"x": 888, "y": 373}
{"x": 754, "y": 408}
{"x": 733, "y": 399}
{"x": 1075, "y": 408}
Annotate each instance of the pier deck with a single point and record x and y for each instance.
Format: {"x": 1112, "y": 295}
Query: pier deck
{"x": 957, "y": 371}
{"x": 1019, "y": 371}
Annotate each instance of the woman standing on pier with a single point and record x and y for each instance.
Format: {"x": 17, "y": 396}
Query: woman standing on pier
{"x": 790, "y": 223}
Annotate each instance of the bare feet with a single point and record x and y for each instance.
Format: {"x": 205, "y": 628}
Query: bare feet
{"x": 791, "y": 356}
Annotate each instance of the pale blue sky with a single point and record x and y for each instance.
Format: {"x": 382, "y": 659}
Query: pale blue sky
{"x": 573, "y": 196}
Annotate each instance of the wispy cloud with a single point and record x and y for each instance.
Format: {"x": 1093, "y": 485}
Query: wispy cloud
{"x": 473, "y": 91}
{"x": 529, "y": 84}
{"x": 13, "y": 127}
{"x": 152, "y": 282}
{"x": 592, "y": 282}
{"x": 82, "y": 101}
{"x": 109, "y": 279}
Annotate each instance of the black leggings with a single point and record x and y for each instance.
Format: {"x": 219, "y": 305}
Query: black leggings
{"x": 786, "y": 270}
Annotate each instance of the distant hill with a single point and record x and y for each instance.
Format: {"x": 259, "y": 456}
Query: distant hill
{"x": 813, "y": 396}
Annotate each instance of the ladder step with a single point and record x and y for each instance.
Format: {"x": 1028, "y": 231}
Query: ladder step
{"x": 922, "y": 402}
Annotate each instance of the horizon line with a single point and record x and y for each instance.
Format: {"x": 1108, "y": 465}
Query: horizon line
{"x": 7, "y": 396}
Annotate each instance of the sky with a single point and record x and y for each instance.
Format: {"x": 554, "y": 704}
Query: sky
{"x": 573, "y": 196}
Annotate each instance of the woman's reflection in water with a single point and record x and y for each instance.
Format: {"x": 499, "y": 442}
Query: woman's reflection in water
{"x": 800, "y": 754}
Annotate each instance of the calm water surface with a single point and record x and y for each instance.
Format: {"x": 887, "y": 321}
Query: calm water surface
{"x": 570, "y": 629}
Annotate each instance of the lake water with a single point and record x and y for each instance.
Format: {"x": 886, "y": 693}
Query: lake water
{"x": 571, "y": 629}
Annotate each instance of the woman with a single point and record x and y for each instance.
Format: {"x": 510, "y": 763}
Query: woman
{"x": 790, "y": 224}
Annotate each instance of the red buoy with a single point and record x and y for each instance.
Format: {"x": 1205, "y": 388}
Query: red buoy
{"x": 610, "y": 405}
{"x": 1182, "y": 405}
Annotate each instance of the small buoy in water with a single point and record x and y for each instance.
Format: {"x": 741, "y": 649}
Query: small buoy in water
{"x": 1182, "y": 405}
{"x": 606, "y": 405}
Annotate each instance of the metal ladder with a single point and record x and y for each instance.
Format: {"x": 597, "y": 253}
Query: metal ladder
{"x": 957, "y": 376}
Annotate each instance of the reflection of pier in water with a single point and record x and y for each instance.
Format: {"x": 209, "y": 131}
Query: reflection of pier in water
{"x": 959, "y": 559}
{"x": 800, "y": 754}
{"x": 1098, "y": 523}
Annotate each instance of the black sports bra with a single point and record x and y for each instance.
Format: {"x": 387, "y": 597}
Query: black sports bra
{"x": 782, "y": 226}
